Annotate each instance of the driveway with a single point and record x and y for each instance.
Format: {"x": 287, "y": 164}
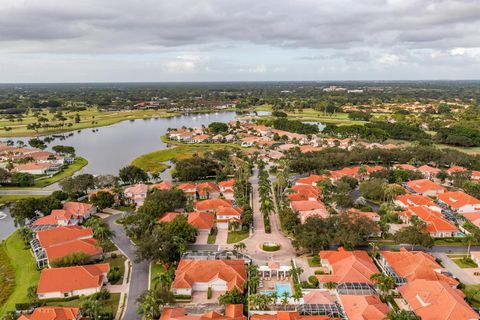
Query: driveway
{"x": 139, "y": 272}
{"x": 222, "y": 235}
{"x": 452, "y": 267}
{"x": 202, "y": 237}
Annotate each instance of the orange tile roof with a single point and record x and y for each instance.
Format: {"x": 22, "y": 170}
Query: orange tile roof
{"x": 228, "y": 183}
{"x": 232, "y": 312}
{"x": 310, "y": 180}
{"x": 52, "y": 313}
{"x": 424, "y": 185}
{"x": 287, "y": 315}
{"x": 207, "y": 187}
{"x": 78, "y": 208}
{"x": 367, "y": 214}
{"x": 319, "y": 297}
{"x": 164, "y": 185}
{"x": 473, "y": 217}
{"x": 436, "y": 300}
{"x": 457, "y": 199}
{"x": 72, "y": 278}
{"x": 413, "y": 265}
{"x": 358, "y": 307}
{"x": 406, "y": 167}
{"x": 308, "y": 148}
{"x": 229, "y": 211}
{"x": 137, "y": 189}
{"x": 201, "y": 220}
{"x": 168, "y": 217}
{"x": 454, "y": 169}
{"x": 188, "y": 185}
{"x": 87, "y": 246}
{"x": 348, "y": 266}
{"x": 61, "y": 234}
{"x": 307, "y": 205}
{"x": 233, "y": 272}
{"x": 433, "y": 219}
{"x": 212, "y": 204}
{"x": 415, "y": 200}
{"x": 53, "y": 218}
{"x": 429, "y": 169}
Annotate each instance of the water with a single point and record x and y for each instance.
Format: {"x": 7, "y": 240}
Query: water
{"x": 6, "y": 223}
{"x": 280, "y": 288}
{"x": 110, "y": 148}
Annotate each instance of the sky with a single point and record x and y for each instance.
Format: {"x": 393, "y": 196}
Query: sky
{"x": 238, "y": 40}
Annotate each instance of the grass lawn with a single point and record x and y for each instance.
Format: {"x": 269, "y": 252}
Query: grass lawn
{"x": 472, "y": 293}
{"x": 152, "y": 162}
{"x": 464, "y": 262}
{"x": 211, "y": 238}
{"x": 237, "y": 236}
{"x": 110, "y": 305}
{"x": 7, "y": 278}
{"x": 89, "y": 118}
{"x": 157, "y": 269}
{"x": 26, "y": 273}
{"x": 78, "y": 164}
{"x": 451, "y": 242}
{"x": 7, "y": 198}
{"x": 118, "y": 262}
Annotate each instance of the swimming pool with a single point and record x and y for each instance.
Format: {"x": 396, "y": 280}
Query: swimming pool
{"x": 280, "y": 288}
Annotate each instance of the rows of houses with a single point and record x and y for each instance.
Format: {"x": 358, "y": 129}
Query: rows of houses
{"x": 31, "y": 160}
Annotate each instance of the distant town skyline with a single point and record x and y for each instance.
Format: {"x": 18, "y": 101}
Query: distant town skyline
{"x": 215, "y": 40}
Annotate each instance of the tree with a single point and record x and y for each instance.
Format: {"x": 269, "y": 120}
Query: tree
{"x": 161, "y": 245}
{"x": 259, "y": 301}
{"x": 241, "y": 246}
{"x": 102, "y": 200}
{"x": 4, "y": 175}
{"x": 161, "y": 201}
{"x": 151, "y": 302}
{"x": 330, "y": 285}
{"x": 132, "y": 174}
{"x": 306, "y": 235}
{"x": 105, "y": 181}
{"x": 234, "y": 296}
{"x": 218, "y": 127}
{"x": 402, "y": 315}
{"x": 353, "y": 229}
{"x": 384, "y": 283}
{"x": 195, "y": 168}
{"x": 78, "y": 185}
{"x": 72, "y": 259}
{"x": 181, "y": 228}
{"x": 37, "y": 143}
{"x": 22, "y": 179}
{"x": 469, "y": 238}
{"x": 414, "y": 235}
{"x": 27, "y": 208}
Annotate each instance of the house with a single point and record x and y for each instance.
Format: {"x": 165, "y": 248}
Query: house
{"x": 428, "y": 172}
{"x": 346, "y": 266}
{"x": 436, "y": 224}
{"x": 136, "y": 193}
{"x": 201, "y": 138}
{"x": 424, "y": 187}
{"x": 311, "y": 180}
{"x": 405, "y": 167}
{"x": 72, "y": 213}
{"x": 307, "y": 208}
{"x": 287, "y": 315}
{"x": 406, "y": 266}
{"x": 207, "y": 190}
{"x": 53, "y": 313}
{"x": 168, "y": 217}
{"x": 72, "y": 281}
{"x": 164, "y": 185}
{"x": 473, "y": 217}
{"x": 304, "y": 192}
{"x": 56, "y": 243}
{"x": 459, "y": 201}
{"x": 225, "y": 215}
{"x": 199, "y": 275}
{"x": 475, "y": 176}
{"x": 408, "y": 200}
{"x": 35, "y": 168}
{"x": 364, "y": 307}
{"x": 436, "y": 300}
{"x": 336, "y": 175}
{"x": 455, "y": 169}
{"x": 81, "y": 210}
{"x": 226, "y": 188}
{"x": 189, "y": 188}
{"x": 375, "y": 217}
{"x": 232, "y": 312}
{"x": 212, "y": 205}
{"x": 201, "y": 220}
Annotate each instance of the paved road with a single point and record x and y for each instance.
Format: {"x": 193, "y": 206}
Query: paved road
{"x": 139, "y": 274}
{"x": 37, "y": 192}
{"x": 452, "y": 267}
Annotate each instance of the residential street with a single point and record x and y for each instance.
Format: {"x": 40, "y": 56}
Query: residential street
{"x": 139, "y": 273}
{"x": 452, "y": 267}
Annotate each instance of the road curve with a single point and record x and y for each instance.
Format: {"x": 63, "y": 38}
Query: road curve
{"x": 139, "y": 276}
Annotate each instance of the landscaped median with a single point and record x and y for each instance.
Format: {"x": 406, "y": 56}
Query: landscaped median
{"x": 153, "y": 161}
{"x": 25, "y": 270}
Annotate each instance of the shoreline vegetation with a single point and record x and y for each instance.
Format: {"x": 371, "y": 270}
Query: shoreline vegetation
{"x": 154, "y": 161}
{"x": 89, "y": 119}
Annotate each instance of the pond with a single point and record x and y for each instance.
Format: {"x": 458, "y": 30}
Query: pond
{"x": 110, "y": 148}
{"x": 6, "y": 223}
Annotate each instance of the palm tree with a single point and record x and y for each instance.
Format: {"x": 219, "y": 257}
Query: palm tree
{"x": 241, "y": 246}
{"x": 375, "y": 248}
{"x": 469, "y": 238}
{"x": 330, "y": 285}
{"x": 274, "y": 297}
{"x": 284, "y": 300}
{"x": 91, "y": 308}
{"x": 402, "y": 315}
{"x": 385, "y": 283}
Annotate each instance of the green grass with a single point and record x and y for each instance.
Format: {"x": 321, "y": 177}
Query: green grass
{"x": 153, "y": 162}
{"x": 110, "y": 304}
{"x": 26, "y": 273}
{"x": 8, "y": 198}
{"x": 237, "y": 236}
{"x": 78, "y": 164}
{"x": 451, "y": 242}
{"x": 312, "y": 263}
{"x": 464, "y": 262}
{"x": 88, "y": 116}
{"x": 7, "y": 278}
{"x": 157, "y": 269}
{"x": 472, "y": 293}
{"x": 119, "y": 262}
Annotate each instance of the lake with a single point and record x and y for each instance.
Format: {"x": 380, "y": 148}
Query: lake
{"x": 6, "y": 223}
{"x": 110, "y": 148}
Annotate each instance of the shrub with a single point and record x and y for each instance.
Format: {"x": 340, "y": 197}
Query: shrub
{"x": 209, "y": 293}
{"x": 72, "y": 259}
{"x": 114, "y": 275}
{"x": 270, "y": 247}
{"x": 319, "y": 272}
{"x": 313, "y": 281}
{"x": 114, "y": 255}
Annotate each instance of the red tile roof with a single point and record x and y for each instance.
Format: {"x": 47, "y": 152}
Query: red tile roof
{"x": 232, "y": 312}
{"x": 72, "y": 278}
{"x": 434, "y": 220}
{"x": 212, "y": 204}
{"x": 287, "y": 315}
{"x": 77, "y": 208}
{"x": 424, "y": 185}
{"x": 227, "y": 184}
{"x": 415, "y": 200}
{"x": 436, "y": 300}
{"x": 53, "y": 236}
{"x": 52, "y": 313}
{"x": 88, "y": 246}
{"x": 201, "y": 220}
{"x": 348, "y": 266}
{"x": 457, "y": 199}
{"x": 168, "y": 217}
{"x": 358, "y": 307}
{"x": 413, "y": 265}
{"x": 207, "y": 187}
{"x": 164, "y": 185}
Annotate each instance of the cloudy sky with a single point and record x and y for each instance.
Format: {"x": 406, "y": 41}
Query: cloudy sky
{"x": 217, "y": 40}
